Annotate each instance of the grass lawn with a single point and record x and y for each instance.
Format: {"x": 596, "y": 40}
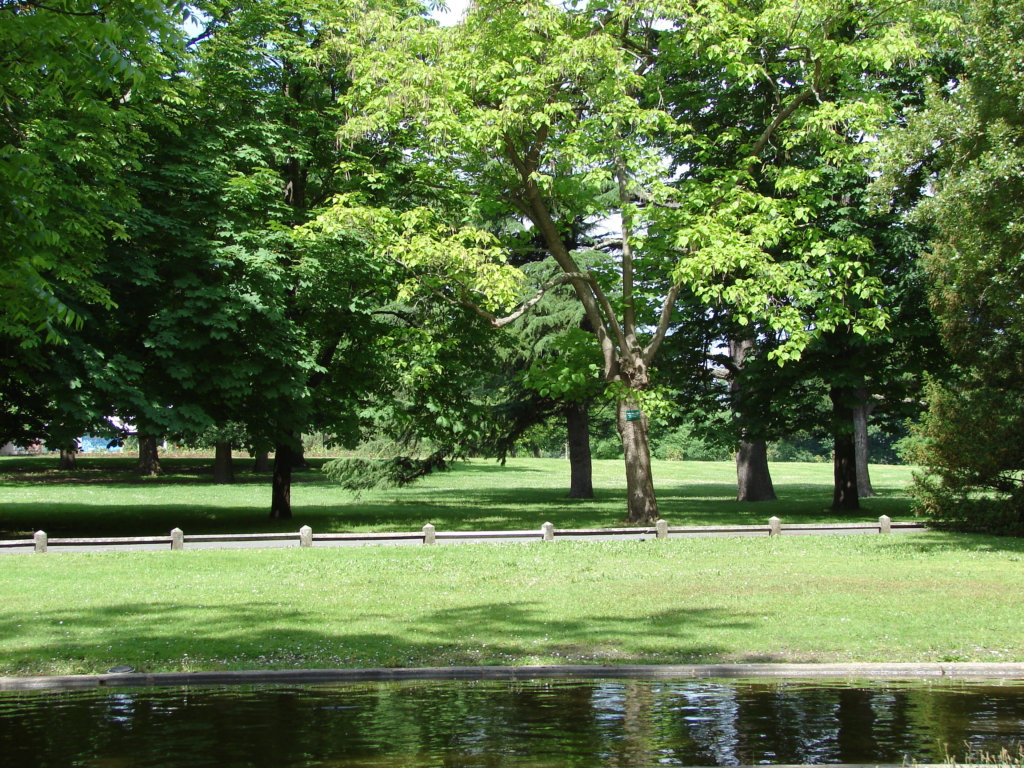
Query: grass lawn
{"x": 104, "y": 497}
{"x": 913, "y": 597}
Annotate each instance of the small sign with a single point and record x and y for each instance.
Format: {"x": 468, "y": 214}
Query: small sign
{"x": 632, "y": 415}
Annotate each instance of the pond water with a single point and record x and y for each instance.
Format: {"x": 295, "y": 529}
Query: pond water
{"x": 530, "y": 723}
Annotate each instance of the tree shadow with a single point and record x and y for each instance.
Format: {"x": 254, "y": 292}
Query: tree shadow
{"x": 166, "y": 636}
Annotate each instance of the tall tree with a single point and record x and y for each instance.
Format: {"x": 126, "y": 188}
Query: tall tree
{"x": 968, "y": 145}
{"x": 540, "y": 110}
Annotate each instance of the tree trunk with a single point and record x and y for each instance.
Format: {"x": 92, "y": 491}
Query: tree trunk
{"x": 223, "y": 472}
{"x": 844, "y": 496}
{"x": 262, "y": 462}
{"x": 641, "y": 504}
{"x": 281, "y": 493}
{"x": 536, "y": 451}
{"x": 860, "y": 440}
{"x": 67, "y": 461}
{"x": 753, "y": 479}
{"x": 577, "y": 421}
{"x": 754, "y": 482}
{"x": 299, "y": 458}
{"x": 149, "y": 460}
{"x": 512, "y": 452}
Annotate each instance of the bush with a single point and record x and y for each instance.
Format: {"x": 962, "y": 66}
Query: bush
{"x": 971, "y": 447}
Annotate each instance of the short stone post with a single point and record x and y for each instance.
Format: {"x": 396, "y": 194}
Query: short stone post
{"x": 305, "y": 536}
{"x": 885, "y": 524}
{"x": 177, "y": 539}
{"x": 774, "y": 526}
{"x": 662, "y": 526}
{"x": 548, "y": 532}
{"x": 40, "y": 540}
{"x": 429, "y": 534}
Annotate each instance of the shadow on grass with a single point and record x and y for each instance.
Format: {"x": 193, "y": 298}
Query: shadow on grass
{"x": 164, "y": 636}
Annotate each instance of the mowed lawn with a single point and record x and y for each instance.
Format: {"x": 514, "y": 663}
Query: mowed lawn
{"x": 909, "y": 597}
{"x": 105, "y": 497}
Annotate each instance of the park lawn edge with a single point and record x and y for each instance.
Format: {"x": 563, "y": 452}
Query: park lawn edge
{"x": 965, "y": 671}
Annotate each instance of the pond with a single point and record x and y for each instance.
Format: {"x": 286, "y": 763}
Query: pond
{"x": 529, "y": 723}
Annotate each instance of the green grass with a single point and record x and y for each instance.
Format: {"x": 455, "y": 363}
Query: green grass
{"x": 910, "y": 597}
{"x": 104, "y": 497}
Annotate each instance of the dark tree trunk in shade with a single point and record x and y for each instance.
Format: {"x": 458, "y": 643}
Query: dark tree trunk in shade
{"x": 281, "y": 492}
{"x": 262, "y": 463}
{"x": 149, "y": 460}
{"x": 844, "y": 496}
{"x": 223, "y": 472}
{"x": 577, "y": 419}
{"x": 299, "y": 458}
{"x": 641, "y": 504}
{"x": 753, "y": 480}
{"x": 860, "y": 440}
{"x": 536, "y": 451}
{"x": 67, "y": 461}
{"x": 512, "y": 452}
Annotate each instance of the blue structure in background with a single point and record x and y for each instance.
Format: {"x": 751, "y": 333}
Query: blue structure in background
{"x": 97, "y": 445}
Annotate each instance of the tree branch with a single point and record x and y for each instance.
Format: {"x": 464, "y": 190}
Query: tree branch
{"x": 663, "y": 323}
{"x": 787, "y": 112}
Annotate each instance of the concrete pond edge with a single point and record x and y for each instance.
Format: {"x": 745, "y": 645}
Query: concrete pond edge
{"x": 976, "y": 671}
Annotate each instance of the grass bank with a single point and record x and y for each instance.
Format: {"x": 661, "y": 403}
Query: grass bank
{"x": 916, "y": 597}
{"x": 105, "y": 497}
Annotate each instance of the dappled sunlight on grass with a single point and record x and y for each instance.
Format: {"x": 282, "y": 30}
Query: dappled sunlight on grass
{"x": 106, "y": 498}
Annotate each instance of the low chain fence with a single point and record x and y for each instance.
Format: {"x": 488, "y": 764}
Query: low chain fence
{"x": 304, "y": 537}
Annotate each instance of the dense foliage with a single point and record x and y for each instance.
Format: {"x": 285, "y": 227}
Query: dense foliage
{"x": 971, "y": 139}
{"x": 240, "y": 220}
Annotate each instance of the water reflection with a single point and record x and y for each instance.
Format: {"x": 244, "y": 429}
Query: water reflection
{"x": 607, "y": 723}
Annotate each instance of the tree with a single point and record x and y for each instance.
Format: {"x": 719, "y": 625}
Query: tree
{"x": 538, "y": 110}
{"x": 788, "y": 222}
{"x": 71, "y": 73}
{"x": 968, "y": 144}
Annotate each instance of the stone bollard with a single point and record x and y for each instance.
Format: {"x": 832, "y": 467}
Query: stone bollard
{"x": 548, "y": 532}
{"x": 40, "y": 540}
{"x": 305, "y": 536}
{"x": 662, "y": 526}
{"x": 428, "y": 534}
{"x": 774, "y": 526}
{"x": 177, "y": 539}
{"x": 885, "y": 524}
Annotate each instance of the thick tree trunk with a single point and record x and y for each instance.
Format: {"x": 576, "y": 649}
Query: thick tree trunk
{"x": 753, "y": 479}
{"x": 262, "y": 463}
{"x": 67, "y": 461}
{"x": 536, "y": 451}
{"x": 577, "y": 420}
{"x": 860, "y": 441}
{"x": 641, "y": 504}
{"x": 512, "y": 452}
{"x": 844, "y": 496}
{"x": 149, "y": 460}
{"x": 754, "y": 482}
{"x": 223, "y": 472}
{"x": 281, "y": 492}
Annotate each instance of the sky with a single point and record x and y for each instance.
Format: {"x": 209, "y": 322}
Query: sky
{"x": 455, "y": 11}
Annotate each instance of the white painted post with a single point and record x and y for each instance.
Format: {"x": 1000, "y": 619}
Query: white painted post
{"x": 177, "y": 539}
{"x": 885, "y": 524}
{"x": 774, "y": 526}
{"x": 428, "y": 534}
{"x": 548, "y": 532}
{"x": 40, "y": 540}
{"x": 662, "y": 526}
{"x": 305, "y": 536}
